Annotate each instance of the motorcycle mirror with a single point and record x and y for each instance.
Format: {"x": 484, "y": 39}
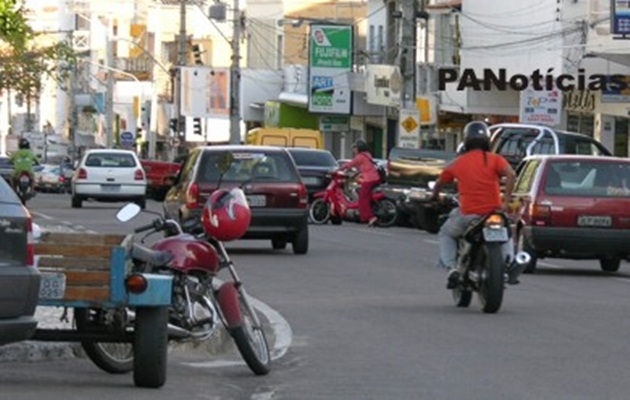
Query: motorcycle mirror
{"x": 128, "y": 212}
{"x": 225, "y": 162}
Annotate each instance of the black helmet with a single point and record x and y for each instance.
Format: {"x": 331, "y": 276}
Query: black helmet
{"x": 476, "y": 136}
{"x": 24, "y": 144}
{"x": 361, "y": 145}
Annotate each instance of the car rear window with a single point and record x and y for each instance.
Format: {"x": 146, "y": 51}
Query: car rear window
{"x": 7, "y": 195}
{"x": 314, "y": 158}
{"x": 583, "y": 146}
{"x": 249, "y": 167}
{"x": 588, "y": 178}
{"x": 110, "y": 160}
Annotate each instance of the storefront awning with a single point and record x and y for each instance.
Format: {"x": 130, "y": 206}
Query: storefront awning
{"x": 294, "y": 99}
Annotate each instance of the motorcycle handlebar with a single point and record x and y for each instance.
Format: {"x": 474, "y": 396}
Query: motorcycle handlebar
{"x": 145, "y": 228}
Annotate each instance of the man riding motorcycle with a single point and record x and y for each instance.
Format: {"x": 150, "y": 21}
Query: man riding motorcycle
{"x": 23, "y": 160}
{"x": 478, "y": 173}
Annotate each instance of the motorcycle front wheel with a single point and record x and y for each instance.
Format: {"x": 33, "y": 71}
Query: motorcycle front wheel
{"x": 319, "y": 211}
{"x": 114, "y": 358}
{"x": 249, "y": 337}
{"x": 490, "y": 265}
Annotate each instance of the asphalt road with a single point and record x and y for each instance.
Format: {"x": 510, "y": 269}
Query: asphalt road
{"x": 371, "y": 319}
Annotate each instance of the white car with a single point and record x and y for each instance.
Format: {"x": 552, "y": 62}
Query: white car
{"x": 109, "y": 175}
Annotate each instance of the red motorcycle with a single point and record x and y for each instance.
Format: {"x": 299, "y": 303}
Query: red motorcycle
{"x": 198, "y": 305}
{"x": 333, "y": 204}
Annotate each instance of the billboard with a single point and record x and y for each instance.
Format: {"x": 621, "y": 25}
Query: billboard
{"x": 330, "y": 62}
{"x": 540, "y": 107}
{"x": 620, "y": 17}
{"x": 384, "y": 85}
{"x": 205, "y": 92}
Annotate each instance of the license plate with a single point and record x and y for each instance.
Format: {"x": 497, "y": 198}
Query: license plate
{"x": 495, "y": 235}
{"x": 310, "y": 181}
{"x": 257, "y": 201}
{"x": 24, "y": 179}
{"x": 592, "y": 220}
{"x": 110, "y": 188}
{"x": 52, "y": 286}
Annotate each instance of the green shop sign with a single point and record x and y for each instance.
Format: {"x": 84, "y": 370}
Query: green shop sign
{"x": 330, "y": 62}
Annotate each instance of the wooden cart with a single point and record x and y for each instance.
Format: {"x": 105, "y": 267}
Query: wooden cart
{"x": 120, "y": 315}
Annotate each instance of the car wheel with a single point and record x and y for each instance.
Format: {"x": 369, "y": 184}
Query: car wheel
{"x": 76, "y": 201}
{"x": 521, "y": 245}
{"x": 142, "y": 202}
{"x": 610, "y": 264}
{"x": 279, "y": 244}
{"x": 300, "y": 241}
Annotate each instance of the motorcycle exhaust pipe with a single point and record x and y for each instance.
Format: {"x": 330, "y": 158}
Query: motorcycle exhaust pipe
{"x": 522, "y": 258}
{"x": 176, "y": 332}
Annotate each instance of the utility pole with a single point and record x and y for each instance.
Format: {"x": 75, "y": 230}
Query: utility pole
{"x": 407, "y": 55}
{"x": 235, "y": 78}
{"x": 109, "y": 98}
{"x": 72, "y": 123}
{"x": 181, "y": 62}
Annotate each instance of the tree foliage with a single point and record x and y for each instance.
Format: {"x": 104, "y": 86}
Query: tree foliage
{"x": 24, "y": 61}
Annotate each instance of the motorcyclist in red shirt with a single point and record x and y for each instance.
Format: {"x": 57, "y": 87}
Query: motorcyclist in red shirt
{"x": 478, "y": 173}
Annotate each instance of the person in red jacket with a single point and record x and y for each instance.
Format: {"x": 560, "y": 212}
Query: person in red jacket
{"x": 364, "y": 163}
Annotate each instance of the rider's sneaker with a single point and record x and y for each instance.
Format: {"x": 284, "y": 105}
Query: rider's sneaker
{"x": 452, "y": 278}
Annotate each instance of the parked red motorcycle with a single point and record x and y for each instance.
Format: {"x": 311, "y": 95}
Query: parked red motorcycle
{"x": 194, "y": 261}
{"x": 333, "y": 204}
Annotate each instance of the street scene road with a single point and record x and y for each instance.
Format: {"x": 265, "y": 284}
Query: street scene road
{"x": 370, "y": 318}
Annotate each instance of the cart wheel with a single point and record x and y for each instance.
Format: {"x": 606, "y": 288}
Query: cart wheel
{"x": 115, "y": 358}
{"x": 150, "y": 347}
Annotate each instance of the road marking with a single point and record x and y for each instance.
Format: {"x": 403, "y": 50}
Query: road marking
{"x": 431, "y": 241}
{"x": 81, "y": 227}
{"x": 546, "y": 264}
{"x": 91, "y": 232}
{"x": 48, "y": 217}
{"x": 67, "y": 223}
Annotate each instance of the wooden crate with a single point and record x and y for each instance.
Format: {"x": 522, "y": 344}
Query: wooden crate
{"x": 86, "y": 261}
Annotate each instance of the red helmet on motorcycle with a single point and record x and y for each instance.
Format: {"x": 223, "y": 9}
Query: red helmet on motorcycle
{"x": 226, "y": 215}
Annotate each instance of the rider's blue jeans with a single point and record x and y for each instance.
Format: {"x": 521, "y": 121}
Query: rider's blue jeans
{"x": 452, "y": 229}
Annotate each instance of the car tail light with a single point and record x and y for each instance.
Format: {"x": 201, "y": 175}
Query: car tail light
{"x": 303, "y": 196}
{"x": 81, "y": 174}
{"x": 30, "y": 242}
{"x": 541, "y": 215}
{"x": 61, "y": 179}
{"x": 192, "y": 196}
{"x": 139, "y": 175}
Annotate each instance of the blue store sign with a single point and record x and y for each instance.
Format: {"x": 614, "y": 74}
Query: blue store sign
{"x": 620, "y": 12}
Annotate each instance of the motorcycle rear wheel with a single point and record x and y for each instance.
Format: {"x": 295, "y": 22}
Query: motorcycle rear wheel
{"x": 114, "y": 358}
{"x": 491, "y": 278}
{"x": 386, "y": 213}
{"x": 319, "y": 211}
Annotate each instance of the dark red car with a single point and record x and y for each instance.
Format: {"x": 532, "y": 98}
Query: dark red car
{"x": 158, "y": 174}
{"x": 574, "y": 207}
{"x": 269, "y": 177}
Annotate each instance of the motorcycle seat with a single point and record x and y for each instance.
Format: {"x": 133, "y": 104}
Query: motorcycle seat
{"x": 156, "y": 258}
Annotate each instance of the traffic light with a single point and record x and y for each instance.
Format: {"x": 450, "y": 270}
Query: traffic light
{"x": 197, "y": 126}
{"x": 172, "y": 123}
